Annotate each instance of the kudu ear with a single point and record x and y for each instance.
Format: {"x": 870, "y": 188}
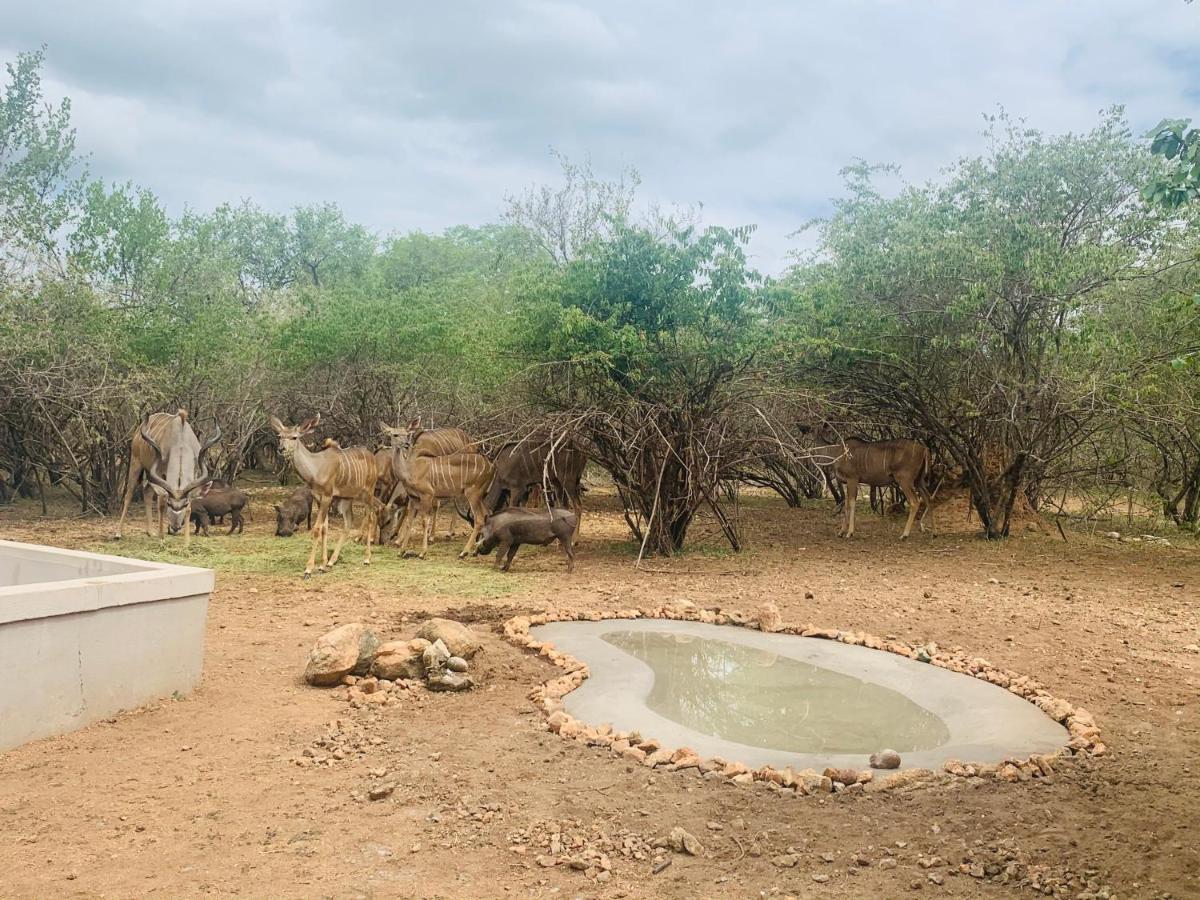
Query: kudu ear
{"x": 415, "y": 424}
{"x": 311, "y": 425}
{"x": 277, "y": 425}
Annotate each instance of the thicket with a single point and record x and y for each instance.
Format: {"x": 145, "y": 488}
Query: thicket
{"x": 1032, "y": 315}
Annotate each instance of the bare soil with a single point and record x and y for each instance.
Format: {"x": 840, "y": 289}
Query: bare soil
{"x": 203, "y": 796}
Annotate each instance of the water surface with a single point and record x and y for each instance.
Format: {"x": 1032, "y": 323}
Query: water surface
{"x": 756, "y": 697}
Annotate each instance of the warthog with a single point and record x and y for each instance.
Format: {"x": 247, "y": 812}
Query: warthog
{"x": 220, "y": 501}
{"x": 292, "y": 511}
{"x": 510, "y": 528}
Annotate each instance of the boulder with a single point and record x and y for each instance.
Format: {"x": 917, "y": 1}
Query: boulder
{"x": 396, "y": 660}
{"x": 348, "y": 649}
{"x": 458, "y": 638}
{"x": 885, "y": 759}
{"x": 456, "y": 664}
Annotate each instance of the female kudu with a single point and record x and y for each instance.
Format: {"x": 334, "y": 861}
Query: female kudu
{"x": 333, "y": 473}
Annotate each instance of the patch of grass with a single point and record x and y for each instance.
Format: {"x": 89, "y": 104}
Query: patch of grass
{"x": 253, "y": 554}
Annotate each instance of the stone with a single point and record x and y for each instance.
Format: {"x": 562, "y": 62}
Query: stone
{"x": 380, "y": 791}
{"x": 845, "y": 776}
{"x": 398, "y": 660}
{"x": 634, "y": 754}
{"x": 657, "y": 758}
{"x": 682, "y": 841}
{"x": 887, "y": 863}
{"x": 885, "y": 759}
{"x": 458, "y": 638}
{"x": 450, "y": 681}
{"x": 769, "y": 618}
{"x": 347, "y": 650}
{"x": 810, "y": 782}
{"x": 456, "y": 664}
{"x": 786, "y": 861}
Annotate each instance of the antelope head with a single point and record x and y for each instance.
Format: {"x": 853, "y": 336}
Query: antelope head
{"x": 289, "y": 435}
{"x": 179, "y": 495}
{"x": 404, "y": 437}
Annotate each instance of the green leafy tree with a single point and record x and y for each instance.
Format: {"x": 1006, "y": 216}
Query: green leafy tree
{"x": 949, "y": 312}
{"x": 646, "y": 344}
{"x": 39, "y": 183}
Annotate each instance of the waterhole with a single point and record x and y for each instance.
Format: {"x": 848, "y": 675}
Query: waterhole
{"x": 755, "y": 696}
{"x": 785, "y": 700}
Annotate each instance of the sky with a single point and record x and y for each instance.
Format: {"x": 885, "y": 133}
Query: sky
{"x": 422, "y": 116}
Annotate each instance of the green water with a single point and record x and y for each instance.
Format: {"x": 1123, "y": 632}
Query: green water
{"x": 759, "y": 698}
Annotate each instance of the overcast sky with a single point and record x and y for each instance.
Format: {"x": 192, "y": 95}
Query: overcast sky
{"x": 425, "y": 115}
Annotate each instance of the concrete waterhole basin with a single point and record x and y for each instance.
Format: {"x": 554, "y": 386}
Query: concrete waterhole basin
{"x": 781, "y": 700}
{"x": 84, "y": 635}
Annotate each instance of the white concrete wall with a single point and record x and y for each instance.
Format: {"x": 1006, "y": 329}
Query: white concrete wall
{"x": 113, "y": 635}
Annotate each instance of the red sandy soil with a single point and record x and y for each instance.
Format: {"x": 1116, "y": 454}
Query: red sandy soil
{"x": 203, "y": 796}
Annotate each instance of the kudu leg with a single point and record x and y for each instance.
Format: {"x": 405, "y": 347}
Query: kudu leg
{"x": 317, "y": 535}
{"x": 346, "y": 508}
{"x": 851, "y": 501}
{"x": 162, "y": 518}
{"x": 187, "y": 532}
{"x": 131, "y": 481}
{"x": 426, "y": 526}
{"x": 478, "y": 513}
{"x": 369, "y": 522}
{"x": 569, "y": 549}
{"x": 914, "y": 506}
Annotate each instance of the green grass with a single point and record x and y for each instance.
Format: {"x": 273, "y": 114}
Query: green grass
{"x": 255, "y": 554}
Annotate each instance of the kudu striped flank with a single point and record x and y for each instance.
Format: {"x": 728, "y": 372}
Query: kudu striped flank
{"x": 421, "y": 481}
{"x": 901, "y": 462}
{"x": 332, "y": 474}
{"x": 414, "y": 440}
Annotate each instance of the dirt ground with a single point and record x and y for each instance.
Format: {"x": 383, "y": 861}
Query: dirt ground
{"x": 203, "y": 796}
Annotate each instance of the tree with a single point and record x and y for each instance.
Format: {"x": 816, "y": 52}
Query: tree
{"x": 38, "y": 184}
{"x": 645, "y": 347}
{"x": 951, "y": 311}
{"x": 563, "y": 220}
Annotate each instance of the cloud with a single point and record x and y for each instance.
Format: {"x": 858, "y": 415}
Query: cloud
{"x": 424, "y": 116}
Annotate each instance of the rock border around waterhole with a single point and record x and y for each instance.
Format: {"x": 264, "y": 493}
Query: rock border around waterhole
{"x": 1081, "y": 726}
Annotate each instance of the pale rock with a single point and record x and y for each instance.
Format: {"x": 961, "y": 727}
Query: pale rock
{"x": 682, "y": 841}
{"x": 458, "y": 638}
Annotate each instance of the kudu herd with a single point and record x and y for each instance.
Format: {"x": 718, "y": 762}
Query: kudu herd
{"x": 419, "y": 469}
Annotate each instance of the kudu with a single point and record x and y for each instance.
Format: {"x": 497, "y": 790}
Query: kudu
{"x": 900, "y": 462}
{"x": 539, "y": 461}
{"x": 421, "y": 481}
{"x": 414, "y": 440}
{"x": 331, "y": 474}
{"x": 166, "y": 450}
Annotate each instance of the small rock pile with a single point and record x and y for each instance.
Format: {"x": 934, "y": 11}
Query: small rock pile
{"x": 375, "y": 673}
{"x": 341, "y": 741}
{"x": 590, "y": 850}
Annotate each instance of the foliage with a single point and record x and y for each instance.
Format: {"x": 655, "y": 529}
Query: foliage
{"x": 952, "y": 310}
{"x": 647, "y": 345}
{"x": 1179, "y": 145}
